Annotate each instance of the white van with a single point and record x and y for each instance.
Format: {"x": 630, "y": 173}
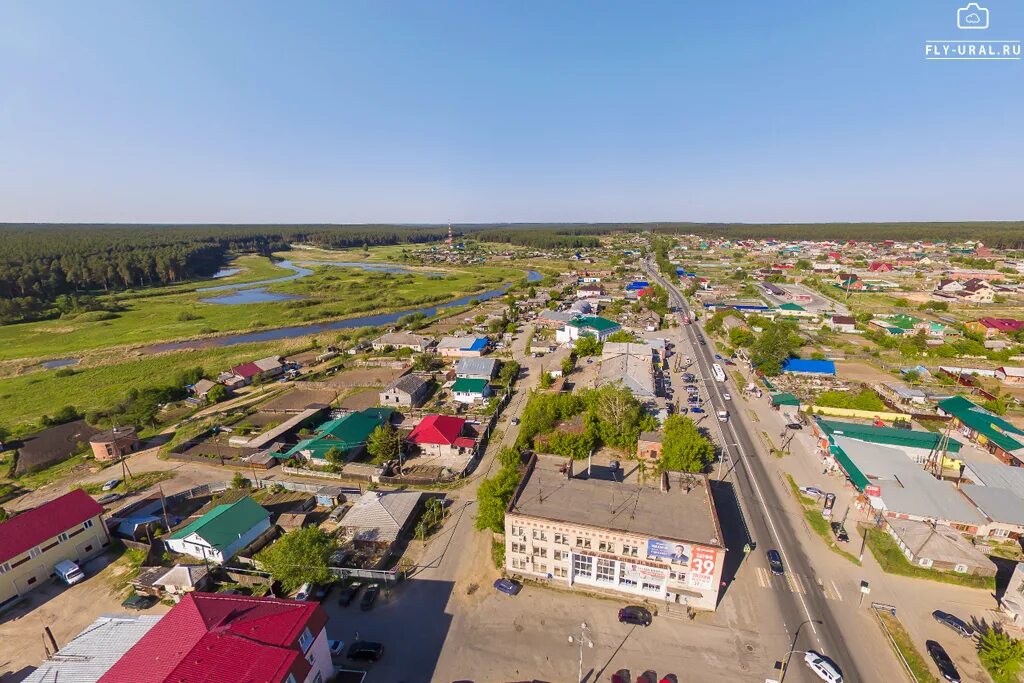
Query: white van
{"x": 723, "y": 415}
{"x": 69, "y": 572}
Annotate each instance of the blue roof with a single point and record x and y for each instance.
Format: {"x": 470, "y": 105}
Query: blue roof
{"x": 818, "y": 367}
{"x": 479, "y": 344}
{"x": 638, "y": 284}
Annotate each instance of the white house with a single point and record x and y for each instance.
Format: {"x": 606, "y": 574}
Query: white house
{"x": 222, "y": 532}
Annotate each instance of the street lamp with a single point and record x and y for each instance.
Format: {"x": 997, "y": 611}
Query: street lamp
{"x": 583, "y": 637}
{"x": 792, "y": 646}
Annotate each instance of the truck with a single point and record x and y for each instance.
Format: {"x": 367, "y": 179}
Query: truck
{"x": 68, "y": 572}
{"x": 723, "y": 415}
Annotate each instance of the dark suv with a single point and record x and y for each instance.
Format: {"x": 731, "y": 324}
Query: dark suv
{"x": 942, "y": 661}
{"x": 636, "y": 615}
{"x": 955, "y": 623}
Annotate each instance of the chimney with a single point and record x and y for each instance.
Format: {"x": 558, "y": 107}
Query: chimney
{"x": 664, "y": 482}
{"x": 568, "y": 470}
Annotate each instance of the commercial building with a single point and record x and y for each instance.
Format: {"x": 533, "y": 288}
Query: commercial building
{"x": 31, "y": 543}
{"x": 1001, "y": 438}
{"x": 587, "y": 326}
{"x": 463, "y": 347}
{"x": 600, "y": 530}
{"x": 631, "y": 365}
{"x": 90, "y": 654}
{"x": 933, "y": 546}
{"x": 114, "y": 444}
{"x": 379, "y": 518}
{"x": 222, "y": 532}
{"x": 918, "y": 445}
{"x": 230, "y": 639}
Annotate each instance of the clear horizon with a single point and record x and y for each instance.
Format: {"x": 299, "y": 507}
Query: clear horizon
{"x": 420, "y": 113}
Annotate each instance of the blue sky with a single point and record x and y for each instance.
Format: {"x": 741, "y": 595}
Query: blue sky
{"x": 480, "y": 111}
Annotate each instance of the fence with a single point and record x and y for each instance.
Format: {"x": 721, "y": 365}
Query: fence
{"x": 329, "y": 475}
{"x": 385, "y": 575}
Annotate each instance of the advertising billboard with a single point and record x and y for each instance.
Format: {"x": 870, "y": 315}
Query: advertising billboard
{"x": 668, "y": 551}
{"x": 702, "y": 568}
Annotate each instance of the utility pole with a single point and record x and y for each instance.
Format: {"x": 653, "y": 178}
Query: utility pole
{"x": 584, "y": 637}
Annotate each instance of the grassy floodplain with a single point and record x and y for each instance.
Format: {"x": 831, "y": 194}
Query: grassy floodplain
{"x": 174, "y": 313}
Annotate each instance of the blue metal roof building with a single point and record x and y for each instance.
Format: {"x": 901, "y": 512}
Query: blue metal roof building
{"x": 810, "y": 367}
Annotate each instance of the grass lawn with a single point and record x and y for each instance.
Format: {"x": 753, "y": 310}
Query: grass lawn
{"x": 171, "y": 314}
{"x": 904, "y": 644}
{"x": 25, "y": 398}
{"x": 893, "y": 561}
{"x": 819, "y": 524}
{"x": 34, "y": 480}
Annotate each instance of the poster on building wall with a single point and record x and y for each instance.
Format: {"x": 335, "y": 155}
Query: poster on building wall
{"x": 669, "y": 551}
{"x": 702, "y": 568}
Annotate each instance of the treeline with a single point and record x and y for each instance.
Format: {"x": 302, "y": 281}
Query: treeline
{"x": 540, "y": 239}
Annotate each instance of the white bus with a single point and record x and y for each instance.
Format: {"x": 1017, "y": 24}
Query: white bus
{"x": 718, "y": 372}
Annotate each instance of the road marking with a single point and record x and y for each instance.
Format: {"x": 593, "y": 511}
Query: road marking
{"x": 762, "y": 577}
{"x": 794, "y": 583}
{"x": 835, "y": 590}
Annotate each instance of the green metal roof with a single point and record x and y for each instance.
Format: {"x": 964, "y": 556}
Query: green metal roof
{"x": 791, "y": 307}
{"x": 345, "y": 433}
{"x": 221, "y": 526}
{"x": 991, "y": 426}
{"x": 888, "y": 436}
{"x": 596, "y": 323}
{"x": 469, "y": 386}
{"x": 785, "y": 399}
{"x": 856, "y": 476}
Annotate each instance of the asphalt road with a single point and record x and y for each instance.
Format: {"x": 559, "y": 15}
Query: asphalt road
{"x": 807, "y": 617}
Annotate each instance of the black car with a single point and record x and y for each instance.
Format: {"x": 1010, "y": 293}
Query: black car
{"x": 942, "y": 660}
{"x": 365, "y": 651}
{"x": 636, "y": 615}
{"x": 840, "y": 531}
{"x": 369, "y": 597}
{"x": 955, "y": 623}
{"x": 349, "y": 593}
{"x": 775, "y": 562}
{"x": 794, "y": 425}
{"x": 701, "y": 342}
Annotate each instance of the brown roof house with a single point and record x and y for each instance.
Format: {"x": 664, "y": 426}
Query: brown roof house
{"x": 114, "y": 444}
{"x": 648, "y": 447}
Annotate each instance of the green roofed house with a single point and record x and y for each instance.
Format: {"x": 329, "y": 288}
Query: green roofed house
{"x": 346, "y": 434}
{"x": 794, "y": 311}
{"x": 467, "y": 390}
{"x": 999, "y": 437}
{"x": 919, "y": 445}
{"x": 222, "y": 532}
{"x": 587, "y": 326}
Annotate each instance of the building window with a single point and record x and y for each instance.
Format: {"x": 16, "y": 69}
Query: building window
{"x": 999, "y": 533}
{"x": 87, "y": 524}
{"x": 583, "y": 542}
{"x": 623, "y": 581}
{"x": 651, "y": 587}
{"x": 6, "y": 567}
{"x": 924, "y": 562}
{"x": 583, "y": 564}
{"x": 306, "y": 639}
{"x": 542, "y": 568}
{"x": 561, "y": 554}
{"x": 518, "y": 563}
{"x": 604, "y": 546}
{"x": 62, "y": 537}
{"x": 960, "y": 568}
{"x": 631, "y": 550}
{"x": 605, "y": 570}
{"x": 35, "y": 552}
{"x": 519, "y": 547}
{"x": 540, "y": 552}
{"x": 562, "y": 572}
{"x": 539, "y": 535}
{"x": 517, "y": 530}
{"x": 561, "y": 539}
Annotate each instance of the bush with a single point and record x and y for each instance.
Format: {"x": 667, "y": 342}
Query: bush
{"x": 1001, "y": 655}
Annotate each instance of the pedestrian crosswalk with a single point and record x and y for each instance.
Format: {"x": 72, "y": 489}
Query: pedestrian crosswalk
{"x": 798, "y": 583}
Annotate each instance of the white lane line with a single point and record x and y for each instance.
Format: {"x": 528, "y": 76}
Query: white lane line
{"x": 835, "y": 589}
{"x": 761, "y": 577}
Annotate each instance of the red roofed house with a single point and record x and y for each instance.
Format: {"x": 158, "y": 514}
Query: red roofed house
{"x": 992, "y": 327}
{"x": 31, "y": 543}
{"x": 442, "y": 436}
{"x": 880, "y": 267}
{"x": 230, "y": 639}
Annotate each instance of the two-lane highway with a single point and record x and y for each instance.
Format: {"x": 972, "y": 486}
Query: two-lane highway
{"x": 805, "y": 615}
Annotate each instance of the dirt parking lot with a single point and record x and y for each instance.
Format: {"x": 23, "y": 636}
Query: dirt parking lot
{"x": 365, "y": 377}
{"x": 67, "y": 610}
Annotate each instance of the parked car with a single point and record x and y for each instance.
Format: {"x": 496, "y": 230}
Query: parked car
{"x": 812, "y": 491}
{"x": 636, "y": 615}
{"x": 337, "y": 647}
{"x": 349, "y": 593}
{"x": 696, "y": 409}
{"x": 68, "y": 572}
{"x": 110, "y": 485}
{"x": 365, "y": 651}
{"x": 824, "y": 667}
{"x": 108, "y": 498}
{"x": 138, "y": 601}
{"x": 508, "y": 586}
{"x": 942, "y": 661}
{"x": 775, "y": 562}
{"x": 840, "y": 531}
{"x": 515, "y": 420}
{"x": 794, "y": 425}
{"x": 727, "y": 396}
{"x": 369, "y": 597}
{"x": 955, "y": 623}
{"x": 304, "y": 591}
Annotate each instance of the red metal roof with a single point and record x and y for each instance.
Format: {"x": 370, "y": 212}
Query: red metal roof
{"x": 23, "y": 532}
{"x": 246, "y": 370}
{"x": 464, "y": 442}
{"x": 212, "y": 638}
{"x": 437, "y": 429}
{"x": 1002, "y": 324}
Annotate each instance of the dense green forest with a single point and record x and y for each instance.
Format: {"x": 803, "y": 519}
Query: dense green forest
{"x": 49, "y": 270}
